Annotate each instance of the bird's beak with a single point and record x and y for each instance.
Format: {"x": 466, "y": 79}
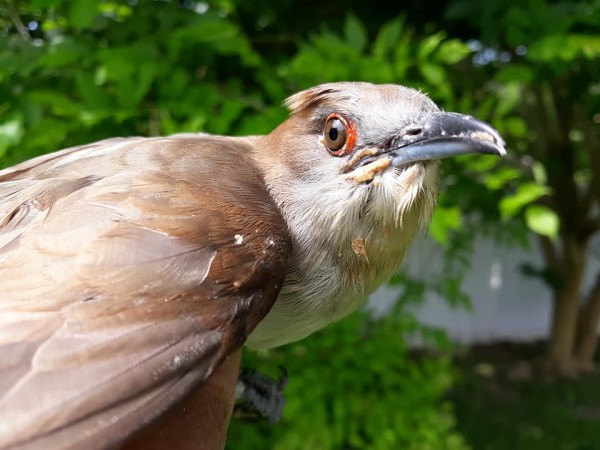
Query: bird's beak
{"x": 439, "y": 135}
{"x": 443, "y": 135}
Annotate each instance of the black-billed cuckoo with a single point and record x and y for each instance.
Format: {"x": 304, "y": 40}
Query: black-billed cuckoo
{"x": 130, "y": 268}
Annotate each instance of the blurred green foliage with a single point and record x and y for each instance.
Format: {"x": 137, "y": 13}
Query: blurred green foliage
{"x": 96, "y": 69}
{"x": 356, "y": 386}
{"x": 81, "y": 70}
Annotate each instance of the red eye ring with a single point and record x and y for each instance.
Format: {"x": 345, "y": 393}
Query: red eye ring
{"x": 339, "y": 135}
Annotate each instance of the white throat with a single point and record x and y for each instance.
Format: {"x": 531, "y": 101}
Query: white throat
{"x": 346, "y": 241}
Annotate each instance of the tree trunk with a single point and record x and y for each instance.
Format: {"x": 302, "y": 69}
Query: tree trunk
{"x": 562, "y": 334}
{"x": 587, "y": 331}
{"x": 566, "y": 308}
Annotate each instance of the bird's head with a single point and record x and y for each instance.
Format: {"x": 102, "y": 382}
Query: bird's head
{"x": 359, "y": 161}
{"x": 354, "y": 171}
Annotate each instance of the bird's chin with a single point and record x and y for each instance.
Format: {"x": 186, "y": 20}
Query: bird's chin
{"x": 366, "y": 173}
{"x": 396, "y": 191}
{"x": 408, "y": 177}
{"x": 381, "y": 171}
{"x": 361, "y": 172}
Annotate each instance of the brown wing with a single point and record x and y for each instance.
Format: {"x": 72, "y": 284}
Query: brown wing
{"x": 128, "y": 270}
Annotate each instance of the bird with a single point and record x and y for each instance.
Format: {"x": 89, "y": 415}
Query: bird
{"x": 131, "y": 267}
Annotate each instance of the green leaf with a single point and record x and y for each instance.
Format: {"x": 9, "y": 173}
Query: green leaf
{"x": 539, "y": 173}
{"x": 229, "y": 112}
{"x": 46, "y": 3}
{"x": 433, "y": 73}
{"x": 387, "y": 37}
{"x": 481, "y": 163}
{"x": 125, "y": 61}
{"x": 83, "y": 13}
{"x": 429, "y": 44}
{"x": 47, "y": 135}
{"x": 499, "y": 177}
{"x": 444, "y": 220}
{"x": 58, "y": 103}
{"x": 116, "y": 10}
{"x": 525, "y": 194}
{"x": 355, "y": 32}
{"x": 213, "y": 33}
{"x": 63, "y": 53}
{"x": 402, "y": 58}
{"x": 452, "y": 51}
{"x": 131, "y": 90}
{"x": 92, "y": 95}
{"x": 509, "y": 96}
{"x": 514, "y": 126}
{"x": 542, "y": 220}
{"x": 11, "y": 133}
{"x": 516, "y": 72}
{"x": 565, "y": 47}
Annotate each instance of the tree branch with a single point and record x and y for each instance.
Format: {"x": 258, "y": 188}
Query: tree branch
{"x": 539, "y": 116}
{"x": 590, "y": 195}
{"x": 549, "y": 252}
{"x": 560, "y": 166}
{"x": 16, "y": 20}
{"x": 589, "y": 317}
{"x": 592, "y": 147}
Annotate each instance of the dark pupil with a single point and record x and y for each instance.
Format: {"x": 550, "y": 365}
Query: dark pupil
{"x": 333, "y": 134}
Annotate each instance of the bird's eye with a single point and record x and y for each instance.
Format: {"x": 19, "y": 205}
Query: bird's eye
{"x": 338, "y": 135}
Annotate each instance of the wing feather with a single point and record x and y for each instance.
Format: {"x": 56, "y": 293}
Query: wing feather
{"x": 122, "y": 286}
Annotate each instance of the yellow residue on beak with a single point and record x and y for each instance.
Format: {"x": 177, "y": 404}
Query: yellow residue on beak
{"x": 369, "y": 171}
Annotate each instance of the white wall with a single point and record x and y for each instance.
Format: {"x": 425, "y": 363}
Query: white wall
{"x": 506, "y": 304}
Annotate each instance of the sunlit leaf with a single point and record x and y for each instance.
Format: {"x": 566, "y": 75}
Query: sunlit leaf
{"x": 452, "y": 51}
{"x": 429, "y": 44}
{"x": 11, "y": 133}
{"x": 539, "y": 173}
{"x": 525, "y": 194}
{"x": 499, "y": 177}
{"x": 565, "y": 47}
{"x": 542, "y": 220}
{"x": 46, "y": 3}
{"x": 444, "y": 220}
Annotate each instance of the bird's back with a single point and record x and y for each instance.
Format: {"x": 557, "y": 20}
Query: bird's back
{"x": 113, "y": 296}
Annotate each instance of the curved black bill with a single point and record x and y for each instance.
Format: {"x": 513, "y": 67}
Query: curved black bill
{"x": 443, "y": 135}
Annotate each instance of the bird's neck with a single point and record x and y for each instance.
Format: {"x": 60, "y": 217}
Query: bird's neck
{"x": 346, "y": 241}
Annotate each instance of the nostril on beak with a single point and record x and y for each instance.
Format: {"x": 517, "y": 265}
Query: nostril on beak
{"x": 413, "y": 131}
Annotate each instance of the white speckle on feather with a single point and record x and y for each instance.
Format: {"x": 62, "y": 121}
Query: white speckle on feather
{"x": 270, "y": 242}
{"x": 239, "y": 239}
